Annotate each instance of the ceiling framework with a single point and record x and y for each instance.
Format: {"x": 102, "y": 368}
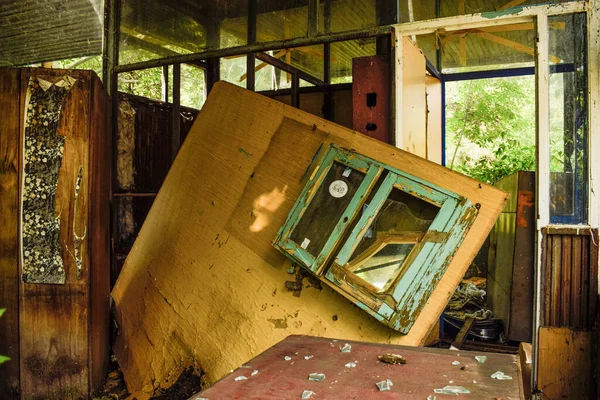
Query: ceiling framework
{"x": 34, "y": 31}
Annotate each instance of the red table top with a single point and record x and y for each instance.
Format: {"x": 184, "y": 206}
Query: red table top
{"x": 426, "y": 370}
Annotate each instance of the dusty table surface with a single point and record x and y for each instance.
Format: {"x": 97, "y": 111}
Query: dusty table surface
{"x": 426, "y": 369}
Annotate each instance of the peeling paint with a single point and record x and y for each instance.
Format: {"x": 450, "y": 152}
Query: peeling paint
{"x": 496, "y": 14}
{"x": 244, "y": 152}
{"x": 76, "y": 238}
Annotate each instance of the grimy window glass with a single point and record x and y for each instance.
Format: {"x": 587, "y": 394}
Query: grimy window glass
{"x": 568, "y": 120}
{"x": 393, "y": 234}
{"x": 326, "y": 208}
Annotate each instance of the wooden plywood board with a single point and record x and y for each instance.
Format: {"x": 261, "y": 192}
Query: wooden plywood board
{"x": 203, "y": 286}
{"x": 10, "y": 94}
{"x": 426, "y": 369}
{"x": 565, "y": 363}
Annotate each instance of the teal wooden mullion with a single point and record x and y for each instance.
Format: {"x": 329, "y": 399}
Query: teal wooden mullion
{"x": 365, "y": 220}
{"x": 410, "y": 303}
{"x": 347, "y": 216}
{"x": 301, "y": 255}
{"x": 439, "y": 224}
{"x": 417, "y": 189}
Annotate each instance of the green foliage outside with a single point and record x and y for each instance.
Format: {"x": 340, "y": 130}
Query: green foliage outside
{"x": 3, "y": 359}
{"x": 490, "y": 127}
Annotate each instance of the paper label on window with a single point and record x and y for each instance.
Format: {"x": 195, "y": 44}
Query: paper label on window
{"x": 347, "y": 172}
{"x": 305, "y": 243}
{"x": 338, "y": 189}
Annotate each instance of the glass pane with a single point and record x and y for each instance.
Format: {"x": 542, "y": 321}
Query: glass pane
{"x": 161, "y": 29}
{"x": 488, "y": 48}
{"x": 382, "y": 268}
{"x": 193, "y": 86}
{"x": 326, "y": 208}
{"x": 348, "y": 15}
{"x": 342, "y": 54}
{"x": 145, "y": 83}
{"x": 568, "y": 121}
{"x": 233, "y": 70}
{"x": 401, "y": 222}
{"x": 278, "y": 20}
{"x": 401, "y": 212}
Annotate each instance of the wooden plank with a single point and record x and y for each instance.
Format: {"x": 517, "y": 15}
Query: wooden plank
{"x": 593, "y": 277}
{"x": 426, "y": 369}
{"x": 565, "y": 283}
{"x": 463, "y": 332}
{"x": 525, "y": 363}
{"x": 201, "y": 228}
{"x": 53, "y": 318}
{"x": 555, "y": 289}
{"x": 99, "y": 221}
{"x": 10, "y": 96}
{"x": 576, "y": 293}
{"x": 564, "y": 363}
{"x": 546, "y": 269}
{"x": 585, "y": 281}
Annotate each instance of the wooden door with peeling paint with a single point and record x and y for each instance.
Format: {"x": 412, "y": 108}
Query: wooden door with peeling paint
{"x": 54, "y": 211}
{"x": 378, "y": 235}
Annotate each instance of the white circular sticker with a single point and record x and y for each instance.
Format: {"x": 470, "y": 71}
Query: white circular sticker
{"x": 338, "y": 188}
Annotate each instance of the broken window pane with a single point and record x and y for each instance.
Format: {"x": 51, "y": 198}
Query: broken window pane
{"x": 568, "y": 121}
{"x": 326, "y": 208}
{"x": 400, "y": 224}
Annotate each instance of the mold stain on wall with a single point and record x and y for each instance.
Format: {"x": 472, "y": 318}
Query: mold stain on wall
{"x": 42, "y": 159}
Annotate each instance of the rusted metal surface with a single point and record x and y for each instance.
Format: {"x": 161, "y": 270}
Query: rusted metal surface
{"x": 570, "y": 276}
{"x": 371, "y": 96}
{"x": 512, "y": 256}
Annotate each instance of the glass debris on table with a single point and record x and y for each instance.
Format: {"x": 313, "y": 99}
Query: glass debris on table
{"x": 481, "y": 359}
{"x": 431, "y": 397}
{"x": 501, "y": 376}
{"x": 456, "y": 390}
{"x": 240, "y": 378}
{"x": 287, "y": 358}
{"x": 308, "y": 357}
{"x": 307, "y": 394}
{"x": 455, "y": 362}
{"x": 346, "y": 349}
{"x": 392, "y": 359}
{"x": 254, "y": 372}
{"x": 351, "y": 364}
{"x": 384, "y": 385}
{"x": 316, "y": 377}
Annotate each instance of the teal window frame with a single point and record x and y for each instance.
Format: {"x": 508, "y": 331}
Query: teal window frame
{"x": 399, "y": 303}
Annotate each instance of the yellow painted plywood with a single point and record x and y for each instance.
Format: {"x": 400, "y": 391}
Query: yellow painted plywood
{"x": 203, "y": 286}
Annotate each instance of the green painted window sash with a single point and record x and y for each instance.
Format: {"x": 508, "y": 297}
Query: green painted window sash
{"x": 391, "y": 181}
{"x": 333, "y": 154}
{"x": 413, "y": 290}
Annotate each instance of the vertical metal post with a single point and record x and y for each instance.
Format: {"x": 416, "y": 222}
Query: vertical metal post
{"x": 165, "y": 83}
{"x": 593, "y": 29}
{"x": 295, "y": 91}
{"x": 176, "y": 111}
{"x": 250, "y": 72}
{"x": 328, "y": 111}
{"x": 213, "y": 65}
{"x": 543, "y": 172}
{"x": 313, "y": 18}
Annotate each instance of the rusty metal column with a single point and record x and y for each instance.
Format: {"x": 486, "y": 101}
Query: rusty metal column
{"x": 176, "y": 111}
{"x": 250, "y": 72}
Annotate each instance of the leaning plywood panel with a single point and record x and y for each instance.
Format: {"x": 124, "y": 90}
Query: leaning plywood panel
{"x": 203, "y": 285}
